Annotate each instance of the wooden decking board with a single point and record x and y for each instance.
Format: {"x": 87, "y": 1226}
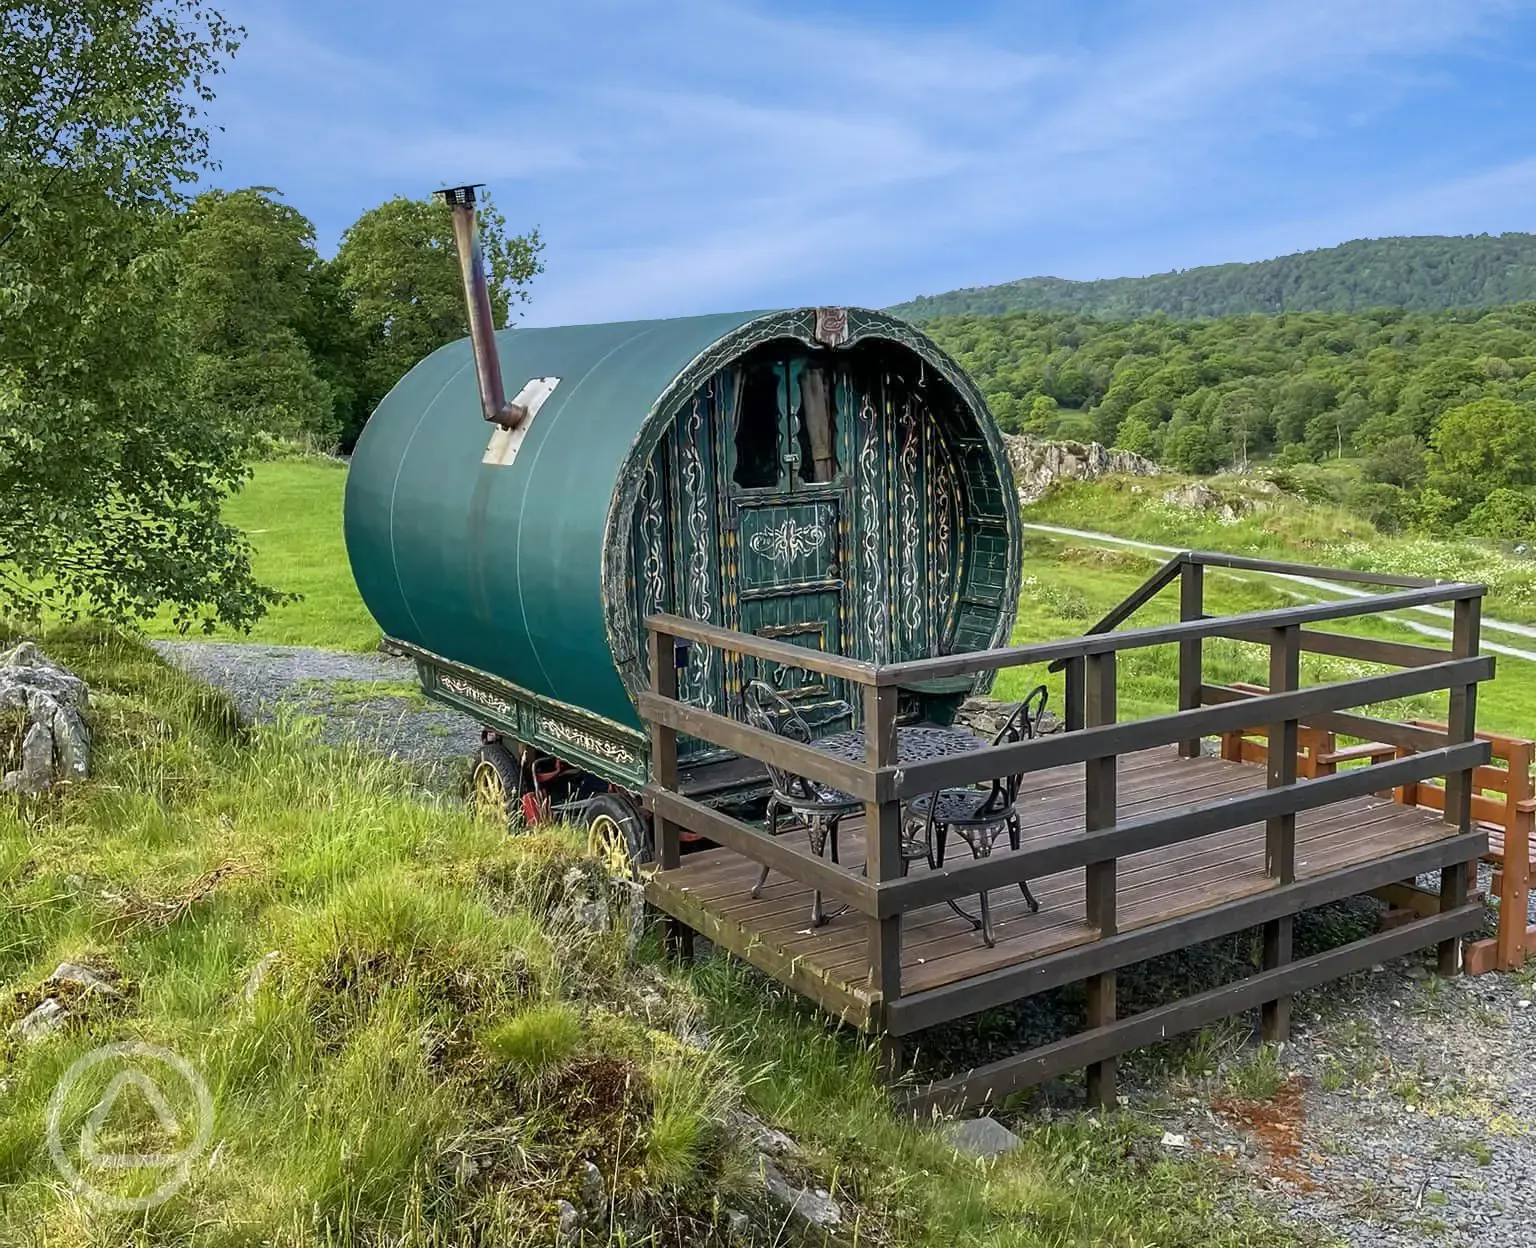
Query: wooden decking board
{"x": 830, "y": 963}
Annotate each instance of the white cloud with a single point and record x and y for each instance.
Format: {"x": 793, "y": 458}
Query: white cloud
{"x": 710, "y": 154}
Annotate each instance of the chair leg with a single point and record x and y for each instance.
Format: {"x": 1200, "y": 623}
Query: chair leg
{"x": 821, "y": 837}
{"x": 773, "y": 830}
{"x": 1034, "y": 906}
{"x": 986, "y": 922}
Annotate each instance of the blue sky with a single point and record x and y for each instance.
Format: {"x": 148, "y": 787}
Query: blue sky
{"x": 703, "y": 155}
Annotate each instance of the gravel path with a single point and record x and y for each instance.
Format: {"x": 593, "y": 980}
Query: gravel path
{"x": 367, "y": 699}
{"x": 1401, "y": 1113}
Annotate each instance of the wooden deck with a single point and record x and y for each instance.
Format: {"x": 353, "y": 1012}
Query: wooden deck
{"x": 1135, "y": 843}
{"x": 710, "y": 891}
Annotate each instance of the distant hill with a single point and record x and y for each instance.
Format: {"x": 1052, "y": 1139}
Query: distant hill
{"x": 1427, "y": 273}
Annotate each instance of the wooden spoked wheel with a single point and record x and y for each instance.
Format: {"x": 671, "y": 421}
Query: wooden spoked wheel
{"x": 495, "y": 784}
{"x": 619, "y": 837}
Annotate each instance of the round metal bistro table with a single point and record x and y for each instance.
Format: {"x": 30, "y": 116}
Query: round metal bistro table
{"x": 915, "y": 744}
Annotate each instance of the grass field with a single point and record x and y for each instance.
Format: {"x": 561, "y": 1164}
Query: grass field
{"x": 292, "y": 512}
{"x": 437, "y": 1050}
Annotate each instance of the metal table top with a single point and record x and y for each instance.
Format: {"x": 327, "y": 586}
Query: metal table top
{"x": 913, "y": 745}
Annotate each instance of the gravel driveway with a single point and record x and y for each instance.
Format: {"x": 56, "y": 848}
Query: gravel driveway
{"x": 367, "y": 699}
{"x": 1401, "y": 1113}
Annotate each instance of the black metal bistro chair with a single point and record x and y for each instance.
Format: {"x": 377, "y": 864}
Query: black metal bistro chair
{"x": 979, "y": 816}
{"x": 819, "y": 806}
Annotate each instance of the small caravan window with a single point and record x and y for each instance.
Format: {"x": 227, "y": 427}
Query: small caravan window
{"x": 759, "y": 458}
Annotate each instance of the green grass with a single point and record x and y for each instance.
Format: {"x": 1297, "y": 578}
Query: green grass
{"x": 437, "y": 1054}
{"x": 291, "y": 510}
{"x": 1285, "y": 527}
{"x": 1069, "y": 584}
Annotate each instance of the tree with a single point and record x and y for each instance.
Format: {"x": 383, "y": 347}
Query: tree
{"x": 111, "y": 477}
{"x": 398, "y": 265}
{"x": 1507, "y": 515}
{"x": 1398, "y": 461}
{"x": 1483, "y": 446}
{"x": 250, "y": 277}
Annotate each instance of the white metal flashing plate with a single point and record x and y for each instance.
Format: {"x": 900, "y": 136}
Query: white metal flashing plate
{"x": 502, "y": 449}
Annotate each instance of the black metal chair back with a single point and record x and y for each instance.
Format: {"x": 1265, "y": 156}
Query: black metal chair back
{"x": 1020, "y": 726}
{"x": 769, "y": 711}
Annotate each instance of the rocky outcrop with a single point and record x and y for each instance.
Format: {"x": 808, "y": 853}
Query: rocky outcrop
{"x": 46, "y": 704}
{"x": 1198, "y": 496}
{"x": 1038, "y": 465}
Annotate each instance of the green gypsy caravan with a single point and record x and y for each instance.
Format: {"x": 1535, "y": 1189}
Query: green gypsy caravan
{"x": 824, "y": 476}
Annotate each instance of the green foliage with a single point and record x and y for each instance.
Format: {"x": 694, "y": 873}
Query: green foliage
{"x": 536, "y": 1040}
{"x": 1486, "y": 445}
{"x": 1508, "y": 515}
{"x": 112, "y": 473}
{"x": 1388, "y": 507}
{"x": 1297, "y": 388}
{"x": 398, "y": 265}
{"x": 253, "y": 288}
{"x": 1426, "y": 273}
{"x": 1398, "y": 461}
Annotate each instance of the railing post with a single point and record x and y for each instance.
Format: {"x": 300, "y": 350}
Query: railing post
{"x": 1461, "y": 725}
{"x": 1191, "y": 607}
{"x": 1514, "y": 888}
{"x": 882, "y": 849}
{"x": 1072, "y": 693}
{"x": 1099, "y": 802}
{"x": 1280, "y": 830}
{"x": 661, "y": 651}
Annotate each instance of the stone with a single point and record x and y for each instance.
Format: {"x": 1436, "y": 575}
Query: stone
{"x": 56, "y": 744}
{"x": 812, "y": 1206}
{"x": 47, "y": 1018}
{"x": 82, "y": 976}
{"x": 568, "y": 1225}
{"x": 258, "y": 974}
{"x": 594, "y": 1192}
{"x": 738, "y": 1227}
{"x": 981, "y": 1137}
{"x": 759, "y": 1135}
{"x": 36, "y": 772}
{"x": 1171, "y": 1139}
{"x": 1198, "y": 496}
{"x": 1037, "y": 464}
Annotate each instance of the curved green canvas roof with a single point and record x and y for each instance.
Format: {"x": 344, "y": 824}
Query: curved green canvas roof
{"x": 503, "y": 568}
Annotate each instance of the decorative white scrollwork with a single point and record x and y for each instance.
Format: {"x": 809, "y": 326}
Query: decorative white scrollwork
{"x": 473, "y": 693}
{"x": 789, "y": 541}
{"x": 590, "y": 742}
{"x": 875, "y": 609}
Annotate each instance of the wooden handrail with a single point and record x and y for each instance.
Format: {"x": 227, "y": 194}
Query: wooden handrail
{"x": 980, "y": 766}
{"x": 1162, "y": 634}
{"x": 718, "y": 638}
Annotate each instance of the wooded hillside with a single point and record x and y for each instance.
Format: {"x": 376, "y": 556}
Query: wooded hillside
{"x": 1427, "y": 273}
{"x": 1441, "y": 407}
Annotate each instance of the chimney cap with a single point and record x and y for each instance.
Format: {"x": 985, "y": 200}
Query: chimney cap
{"x": 460, "y": 194}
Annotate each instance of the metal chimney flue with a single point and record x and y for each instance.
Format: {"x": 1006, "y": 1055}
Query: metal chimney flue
{"x": 477, "y": 299}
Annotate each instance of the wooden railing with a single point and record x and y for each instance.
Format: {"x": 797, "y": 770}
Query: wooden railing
{"x": 1503, "y": 800}
{"x": 1096, "y": 739}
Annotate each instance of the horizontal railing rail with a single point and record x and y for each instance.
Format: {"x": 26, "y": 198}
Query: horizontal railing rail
{"x": 1132, "y": 836}
{"x": 975, "y": 661}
